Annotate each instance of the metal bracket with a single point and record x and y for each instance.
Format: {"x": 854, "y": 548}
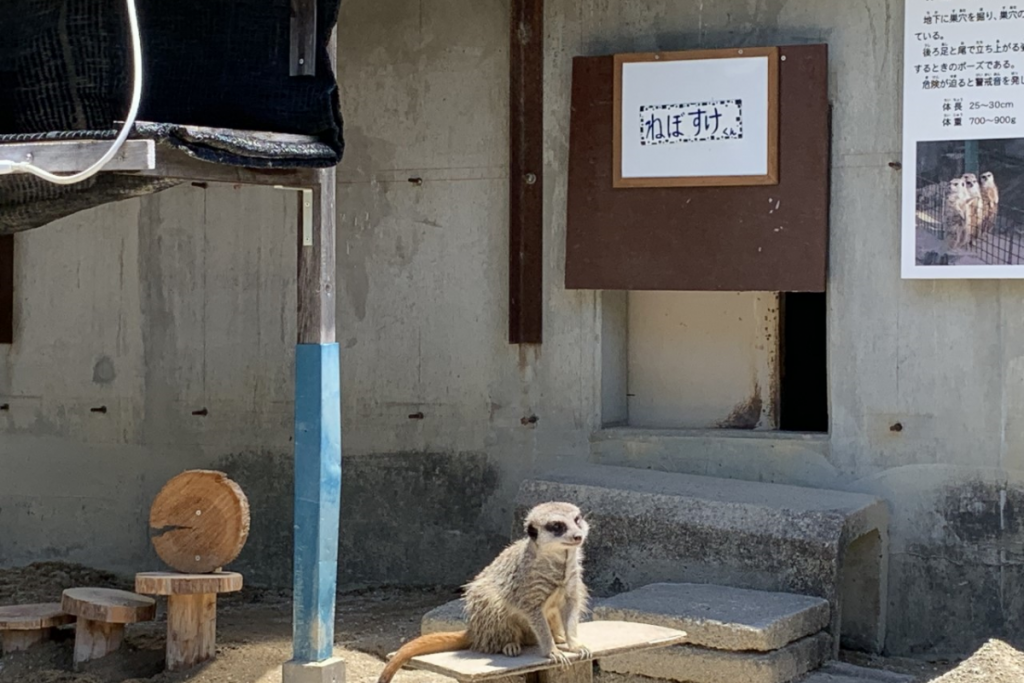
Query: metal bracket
{"x": 305, "y": 212}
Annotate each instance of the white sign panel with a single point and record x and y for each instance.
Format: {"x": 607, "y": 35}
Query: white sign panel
{"x": 963, "y": 140}
{"x": 696, "y": 118}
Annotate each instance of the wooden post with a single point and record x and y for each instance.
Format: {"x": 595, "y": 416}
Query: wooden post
{"x": 526, "y": 172}
{"x": 317, "y": 446}
{"x": 96, "y": 639}
{"x": 317, "y": 434}
{"x": 191, "y": 629}
{"x": 6, "y": 289}
{"x": 574, "y": 673}
{"x": 317, "y": 421}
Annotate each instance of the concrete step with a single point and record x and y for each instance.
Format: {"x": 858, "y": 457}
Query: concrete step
{"x": 654, "y": 527}
{"x": 840, "y": 672}
{"x": 720, "y": 617}
{"x": 691, "y": 664}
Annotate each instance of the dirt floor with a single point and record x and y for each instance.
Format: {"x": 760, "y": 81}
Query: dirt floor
{"x": 254, "y": 638}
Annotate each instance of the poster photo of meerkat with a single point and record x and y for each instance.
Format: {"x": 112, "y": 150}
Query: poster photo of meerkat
{"x": 969, "y": 205}
{"x": 963, "y": 141}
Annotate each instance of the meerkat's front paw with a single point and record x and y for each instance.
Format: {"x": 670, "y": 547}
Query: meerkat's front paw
{"x": 576, "y": 649}
{"x": 559, "y": 658}
{"x": 512, "y": 650}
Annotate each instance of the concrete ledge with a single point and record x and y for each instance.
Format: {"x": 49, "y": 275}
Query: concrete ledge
{"x": 328, "y": 671}
{"x": 721, "y": 617}
{"x": 784, "y": 457}
{"x": 689, "y": 664}
{"x": 839, "y": 672}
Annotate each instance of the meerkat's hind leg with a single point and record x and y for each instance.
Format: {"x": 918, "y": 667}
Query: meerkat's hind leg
{"x": 512, "y": 649}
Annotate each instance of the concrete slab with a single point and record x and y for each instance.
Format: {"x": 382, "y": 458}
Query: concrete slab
{"x": 653, "y": 527}
{"x": 721, "y": 617}
{"x": 602, "y": 638}
{"x": 840, "y": 672}
{"x": 690, "y": 664}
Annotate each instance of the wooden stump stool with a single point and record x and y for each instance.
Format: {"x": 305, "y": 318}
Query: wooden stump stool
{"x": 22, "y": 626}
{"x": 191, "y": 611}
{"x": 102, "y": 614}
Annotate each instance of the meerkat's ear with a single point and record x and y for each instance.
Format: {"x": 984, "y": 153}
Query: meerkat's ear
{"x": 531, "y": 531}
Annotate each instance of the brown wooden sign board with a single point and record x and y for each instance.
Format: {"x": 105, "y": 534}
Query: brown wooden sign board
{"x": 749, "y": 238}
{"x": 769, "y": 178}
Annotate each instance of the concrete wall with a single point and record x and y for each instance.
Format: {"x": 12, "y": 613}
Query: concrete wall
{"x": 159, "y": 307}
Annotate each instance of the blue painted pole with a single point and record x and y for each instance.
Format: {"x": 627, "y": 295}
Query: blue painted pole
{"x": 317, "y": 499}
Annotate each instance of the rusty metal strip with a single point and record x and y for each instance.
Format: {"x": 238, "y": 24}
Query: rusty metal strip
{"x": 302, "y": 58}
{"x": 526, "y": 173}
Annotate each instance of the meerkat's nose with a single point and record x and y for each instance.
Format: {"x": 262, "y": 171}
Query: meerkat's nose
{"x": 577, "y": 537}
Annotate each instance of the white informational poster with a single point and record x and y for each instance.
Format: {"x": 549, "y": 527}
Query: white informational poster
{"x": 696, "y": 118}
{"x": 963, "y": 140}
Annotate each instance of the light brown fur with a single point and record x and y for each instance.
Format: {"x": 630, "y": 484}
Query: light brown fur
{"x": 954, "y": 217}
{"x": 990, "y": 202}
{"x": 531, "y": 594}
{"x": 974, "y": 209}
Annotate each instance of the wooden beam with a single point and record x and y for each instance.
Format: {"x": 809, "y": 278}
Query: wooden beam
{"x": 302, "y": 58}
{"x": 6, "y": 289}
{"x": 176, "y": 164}
{"x": 526, "y": 172}
{"x": 72, "y": 156}
{"x": 316, "y": 301}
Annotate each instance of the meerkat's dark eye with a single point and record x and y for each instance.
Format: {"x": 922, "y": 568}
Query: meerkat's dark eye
{"x": 556, "y": 528}
{"x": 578, "y": 520}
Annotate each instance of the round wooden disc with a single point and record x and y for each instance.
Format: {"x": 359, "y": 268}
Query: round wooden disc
{"x": 199, "y": 521}
{"x": 168, "y": 583}
{"x": 33, "y": 617}
{"x": 108, "y": 605}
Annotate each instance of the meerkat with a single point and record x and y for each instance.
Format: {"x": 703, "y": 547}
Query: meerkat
{"x": 974, "y": 208}
{"x": 531, "y": 594}
{"x": 955, "y": 209}
{"x": 990, "y": 201}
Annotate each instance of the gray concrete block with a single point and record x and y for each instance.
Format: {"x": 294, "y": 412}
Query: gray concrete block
{"x": 328, "y": 671}
{"x": 840, "y": 672}
{"x": 447, "y": 617}
{"x": 691, "y": 664}
{"x": 721, "y": 617}
{"x": 652, "y": 527}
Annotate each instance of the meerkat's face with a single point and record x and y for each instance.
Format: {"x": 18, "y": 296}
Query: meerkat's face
{"x": 956, "y": 184}
{"x": 557, "y": 525}
{"x": 987, "y": 178}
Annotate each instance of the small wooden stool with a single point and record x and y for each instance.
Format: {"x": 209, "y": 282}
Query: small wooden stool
{"x": 22, "y": 626}
{"x": 102, "y": 614}
{"x": 191, "y": 611}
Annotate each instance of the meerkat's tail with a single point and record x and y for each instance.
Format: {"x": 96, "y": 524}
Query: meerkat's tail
{"x": 429, "y": 644}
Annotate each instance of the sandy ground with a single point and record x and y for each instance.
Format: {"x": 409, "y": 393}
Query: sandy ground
{"x": 254, "y": 638}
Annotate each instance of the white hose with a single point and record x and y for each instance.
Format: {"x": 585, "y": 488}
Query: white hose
{"x": 29, "y": 167}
